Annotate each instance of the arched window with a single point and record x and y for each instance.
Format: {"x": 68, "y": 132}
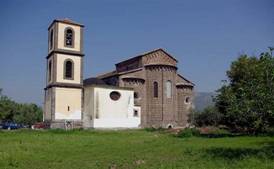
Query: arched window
{"x": 155, "y": 89}
{"x": 69, "y": 37}
{"x": 49, "y": 71}
{"x": 168, "y": 89}
{"x": 51, "y": 39}
{"x": 68, "y": 69}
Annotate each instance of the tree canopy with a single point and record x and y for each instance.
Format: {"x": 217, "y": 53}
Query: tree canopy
{"x": 27, "y": 114}
{"x": 246, "y": 100}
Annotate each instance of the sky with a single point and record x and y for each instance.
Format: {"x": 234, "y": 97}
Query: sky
{"x": 204, "y": 36}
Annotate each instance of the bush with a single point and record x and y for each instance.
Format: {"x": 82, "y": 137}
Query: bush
{"x": 153, "y": 129}
{"x": 188, "y": 132}
{"x": 213, "y": 132}
{"x": 26, "y": 114}
{"x": 208, "y": 117}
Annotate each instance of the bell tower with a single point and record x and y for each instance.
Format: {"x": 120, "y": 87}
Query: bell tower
{"x": 64, "y": 79}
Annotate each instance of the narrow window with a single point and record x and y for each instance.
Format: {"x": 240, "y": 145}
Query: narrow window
{"x": 51, "y": 39}
{"x": 49, "y": 71}
{"x": 168, "y": 89}
{"x": 69, "y": 37}
{"x": 135, "y": 113}
{"x": 155, "y": 89}
{"x": 68, "y": 74}
{"x": 68, "y": 108}
{"x": 136, "y": 96}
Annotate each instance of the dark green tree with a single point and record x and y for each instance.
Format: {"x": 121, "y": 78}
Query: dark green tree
{"x": 210, "y": 116}
{"x": 246, "y": 101}
{"x": 7, "y": 108}
{"x": 27, "y": 114}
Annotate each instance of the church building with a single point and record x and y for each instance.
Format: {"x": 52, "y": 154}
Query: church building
{"x": 143, "y": 91}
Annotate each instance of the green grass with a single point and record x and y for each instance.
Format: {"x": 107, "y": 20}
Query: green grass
{"x": 131, "y": 149}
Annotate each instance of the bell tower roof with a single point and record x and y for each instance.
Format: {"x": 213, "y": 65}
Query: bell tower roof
{"x": 66, "y": 21}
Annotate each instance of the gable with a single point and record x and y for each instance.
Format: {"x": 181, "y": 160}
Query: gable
{"x": 183, "y": 81}
{"x": 158, "y": 57}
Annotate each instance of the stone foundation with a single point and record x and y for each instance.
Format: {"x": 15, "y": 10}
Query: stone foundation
{"x": 62, "y": 124}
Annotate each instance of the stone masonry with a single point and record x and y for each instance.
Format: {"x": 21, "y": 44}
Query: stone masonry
{"x": 141, "y": 73}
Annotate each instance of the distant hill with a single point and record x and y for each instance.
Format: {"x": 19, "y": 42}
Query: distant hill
{"x": 203, "y": 99}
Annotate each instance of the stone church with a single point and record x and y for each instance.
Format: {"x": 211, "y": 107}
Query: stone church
{"x": 143, "y": 91}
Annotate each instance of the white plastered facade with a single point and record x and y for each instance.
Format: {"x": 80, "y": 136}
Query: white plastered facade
{"x": 64, "y": 100}
{"x": 68, "y": 104}
{"x": 100, "y": 111}
{"x": 61, "y": 38}
{"x": 76, "y": 69}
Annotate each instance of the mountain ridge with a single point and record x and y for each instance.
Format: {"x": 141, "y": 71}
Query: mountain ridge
{"x": 203, "y": 100}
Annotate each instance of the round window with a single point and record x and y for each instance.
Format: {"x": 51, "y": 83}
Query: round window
{"x": 187, "y": 101}
{"x": 115, "y": 95}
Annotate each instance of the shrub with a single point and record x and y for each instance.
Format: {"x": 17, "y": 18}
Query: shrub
{"x": 188, "y": 132}
{"x": 153, "y": 129}
{"x": 208, "y": 117}
{"x": 212, "y": 132}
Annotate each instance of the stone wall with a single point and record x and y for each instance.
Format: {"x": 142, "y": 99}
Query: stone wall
{"x": 161, "y": 110}
{"x": 184, "y": 108}
{"x": 140, "y": 73}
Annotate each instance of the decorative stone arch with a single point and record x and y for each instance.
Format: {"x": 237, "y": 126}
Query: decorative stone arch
{"x": 134, "y": 80}
{"x": 161, "y": 67}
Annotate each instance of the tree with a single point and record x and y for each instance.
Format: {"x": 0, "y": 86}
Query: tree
{"x": 28, "y": 114}
{"x": 21, "y": 113}
{"x": 7, "y": 108}
{"x": 246, "y": 101}
{"x": 208, "y": 117}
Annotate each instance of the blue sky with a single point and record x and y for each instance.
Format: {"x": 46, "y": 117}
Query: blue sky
{"x": 205, "y": 36}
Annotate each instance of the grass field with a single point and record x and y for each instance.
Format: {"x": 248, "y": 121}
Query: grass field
{"x": 131, "y": 149}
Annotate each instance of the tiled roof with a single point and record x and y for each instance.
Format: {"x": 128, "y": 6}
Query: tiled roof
{"x": 188, "y": 82}
{"x": 93, "y": 80}
{"x": 108, "y": 74}
{"x": 147, "y": 53}
{"x": 67, "y": 21}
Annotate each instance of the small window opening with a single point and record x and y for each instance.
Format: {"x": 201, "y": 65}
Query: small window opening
{"x": 168, "y": 89}
{"x": 51, "y": 39}
{"x": 155, "y": 89}
{"x": 135, "y": 113}
{"x": 68, "y": 108}
{"x": 68, "y": 69}
{"x": 115, "y": 95}
{"x": 187, "y": 100}
{"x": 136, "y": 96}
{"x": 69, "y": 37}
{"x": 49, "y": 74}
